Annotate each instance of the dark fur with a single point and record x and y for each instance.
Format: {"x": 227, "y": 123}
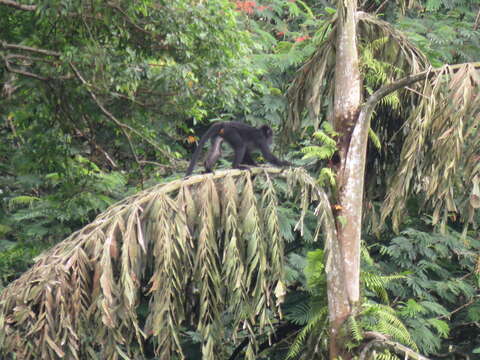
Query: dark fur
{"x": 242, "y": 138}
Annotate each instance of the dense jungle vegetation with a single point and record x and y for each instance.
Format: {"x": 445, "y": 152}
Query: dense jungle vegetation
{"x": 104, "y": 101}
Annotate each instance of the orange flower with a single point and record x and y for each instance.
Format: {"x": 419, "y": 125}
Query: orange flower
{"x": 246, "y": 6}
{"x": 191, "y": 139}
{"x": 302, "y": 38}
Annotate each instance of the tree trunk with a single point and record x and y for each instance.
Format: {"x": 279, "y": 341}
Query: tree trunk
{"x": 344, "y": 275}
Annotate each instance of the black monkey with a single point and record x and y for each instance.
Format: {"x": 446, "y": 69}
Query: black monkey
{"x": 242, "y": 138}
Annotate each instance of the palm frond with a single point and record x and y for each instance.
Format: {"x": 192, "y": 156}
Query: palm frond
{"x": 440, "y": 152}
{"x": 194, "y": 243}
{"x": 392, "y": 55}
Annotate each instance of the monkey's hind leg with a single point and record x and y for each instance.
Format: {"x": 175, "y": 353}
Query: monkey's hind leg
{"x": 214, "y": 153}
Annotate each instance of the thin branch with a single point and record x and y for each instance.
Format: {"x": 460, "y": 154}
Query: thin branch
{"x": 381, "y": 7}
{"x": 9, "y": 67}
{"x": 5, "y": 45}
{"x": 110, "y": 116}
{"x": 129, "y": 20}
{"x": 369, "y": 105}
{"x": 18, "y": 6}
{"x": 408, "y": 80}
{"x": 477, "y": 21}
{"x": 148, "y": 162}
{"x": 395, "y": 346}
{"x": 458, "y": 309}
{"x": 123, "y": 127}
{"x": 22, "y": 72}
{"x": 30, "y": 58}
{"x": 97, "y": 147}
{"x": 8, "y": 120}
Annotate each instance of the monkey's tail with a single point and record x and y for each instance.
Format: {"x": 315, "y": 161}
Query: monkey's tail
{"x": 214, "y": 130}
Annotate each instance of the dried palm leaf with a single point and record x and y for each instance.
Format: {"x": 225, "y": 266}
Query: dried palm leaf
{"x": 312, "y": 89}
{"x": 80, "y": 300}
{"x": 440, "y": 155}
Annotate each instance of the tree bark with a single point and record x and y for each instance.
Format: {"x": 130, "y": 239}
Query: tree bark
{"x": 344, "y": 275}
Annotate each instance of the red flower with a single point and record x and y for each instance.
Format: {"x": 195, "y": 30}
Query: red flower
{"x": 302, "y": 38}
{"x": 246, "y": 6}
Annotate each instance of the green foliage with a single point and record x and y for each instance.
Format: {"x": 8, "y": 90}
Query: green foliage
{"x": 444, "y": 30}
{"x": 65, "y": 200}
{"x": 377, "y": 72}
{"x": 326, "y": 136}
{"x": 15, "y": 259}
{"x": 161, "y": 68}
{"x": 284, "y": 33}
{"x": 116, "y": 82}
{"x": 384, "y": 319}
{"x": 315, "y": 272}
{"x": 373, "y": 316}
{"x": 317, "y": 325}
{"x": 98, "y": 95}
{"x": 439, "y": 294}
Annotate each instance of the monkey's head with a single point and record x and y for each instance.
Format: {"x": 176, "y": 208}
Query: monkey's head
{"x": 268, "y": 133}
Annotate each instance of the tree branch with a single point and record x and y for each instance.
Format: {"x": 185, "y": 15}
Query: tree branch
{"x": 477, "y": 21}
{"x": 129, "y": 20}
{"x": 408, "y": 80}
{"x": 8, "y": 66}
{"x": 5, "y": 45}
{"x": 395, "y": 346}
{"x": 467, "y": 304}
{"x": 21, "y": 72}
{"x": 123, "y": 127}
{"x": 369, "y": 105}
{"x": 18, "y": 6}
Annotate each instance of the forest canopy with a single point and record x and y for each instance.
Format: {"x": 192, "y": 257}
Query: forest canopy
{"x": 367, "y": 247}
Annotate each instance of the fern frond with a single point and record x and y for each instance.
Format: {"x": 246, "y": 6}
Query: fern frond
{"x": 318, "y": 152}
{"x": 324, "y": 138}
{"x": 23, "y": 200}
{"x": 442, "y": 327}
{"x": 317, "y": 322}
{"x": 386, "y": 355}
{"x": 387, "y": 322}
{"x": 355, "y": 328}
{"x": 375, "y": 139}
{"x": 326, "y": 176}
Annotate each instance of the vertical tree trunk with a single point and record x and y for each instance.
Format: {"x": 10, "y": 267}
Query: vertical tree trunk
{"x": 344, "y": 274}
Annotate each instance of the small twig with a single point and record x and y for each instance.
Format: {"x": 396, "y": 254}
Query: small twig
{"x": 6, "y": 45}
{"x": 122, "y": 96}
{"x": 110, "y": 116}
{"x": 147, "y": 162}
{"x": 458, "y": 309}
{"x": 22, "y": 72}
{"x": 380, "y": 7}
{"x": 30, "y": 58}
{"x": 18, "y": 6}
{"x": 10, "y": 123}
{"x": 395, "y": 346}
{"x": 280, "y": 334}
{"x": 98, "y": 147}
{"x": 130, "y": 21}
{"x": 123, "y": 127}
{"x": 138, "y": 27}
